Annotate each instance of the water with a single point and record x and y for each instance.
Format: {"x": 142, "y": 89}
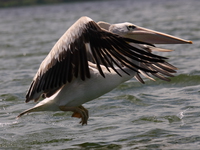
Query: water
{"x": 157, "y": 115}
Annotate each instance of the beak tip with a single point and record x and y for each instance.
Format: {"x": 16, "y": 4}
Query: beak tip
{"x": 190, "y": 42}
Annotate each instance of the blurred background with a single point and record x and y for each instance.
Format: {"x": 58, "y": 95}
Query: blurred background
{"x": 13, "y": 3}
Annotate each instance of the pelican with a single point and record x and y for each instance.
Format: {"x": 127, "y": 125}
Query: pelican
{"x": 91, "y": 59}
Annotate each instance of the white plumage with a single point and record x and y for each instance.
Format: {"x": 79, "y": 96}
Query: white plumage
{"x": 91, "y": 59}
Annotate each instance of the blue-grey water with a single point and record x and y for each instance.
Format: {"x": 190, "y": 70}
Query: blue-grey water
{"x": 156, "y": 115}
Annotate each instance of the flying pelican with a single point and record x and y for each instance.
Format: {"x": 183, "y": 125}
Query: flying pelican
{"x": 91, "y": 59}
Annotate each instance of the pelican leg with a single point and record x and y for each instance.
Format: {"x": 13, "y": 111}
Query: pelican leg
{"x": 78, "y": 112}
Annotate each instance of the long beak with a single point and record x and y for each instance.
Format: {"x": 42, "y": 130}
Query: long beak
{"x": 154, "y": 37}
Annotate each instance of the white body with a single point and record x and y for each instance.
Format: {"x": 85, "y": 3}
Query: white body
{"x": 79, "y": 92}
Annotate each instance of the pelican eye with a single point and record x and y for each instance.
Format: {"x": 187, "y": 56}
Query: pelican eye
{"x": 131, "y": 27}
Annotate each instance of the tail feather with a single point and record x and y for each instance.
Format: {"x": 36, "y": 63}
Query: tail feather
{"x": 34, "y": 109}
{"x": 45, "y": 105}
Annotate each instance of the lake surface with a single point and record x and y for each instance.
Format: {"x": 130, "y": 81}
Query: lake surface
{"x": 156, "y": 115}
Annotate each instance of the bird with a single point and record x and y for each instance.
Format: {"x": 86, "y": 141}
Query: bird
{"x": 91, "y": 59}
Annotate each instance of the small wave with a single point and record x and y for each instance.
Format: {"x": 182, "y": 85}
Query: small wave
{"x": 7, "y": 123}
{"x": 186, "y": 79}
{"x": 181, "y": 114}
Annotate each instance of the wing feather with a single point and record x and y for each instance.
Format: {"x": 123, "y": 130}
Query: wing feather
{"x": 86, "y": 42}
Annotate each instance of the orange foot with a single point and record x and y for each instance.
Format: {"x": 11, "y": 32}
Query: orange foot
{"x": 78, "y": 112}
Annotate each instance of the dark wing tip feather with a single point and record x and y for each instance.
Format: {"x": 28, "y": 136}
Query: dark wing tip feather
{"x": 65, "y": 61}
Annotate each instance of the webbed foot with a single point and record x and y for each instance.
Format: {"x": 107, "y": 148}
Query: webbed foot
{"x": 78, "y": 112}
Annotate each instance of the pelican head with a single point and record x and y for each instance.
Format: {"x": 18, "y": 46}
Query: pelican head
{"x": 138, "y": 33}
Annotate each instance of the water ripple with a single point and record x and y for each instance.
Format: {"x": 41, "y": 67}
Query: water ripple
{"x": 156, "y": 115}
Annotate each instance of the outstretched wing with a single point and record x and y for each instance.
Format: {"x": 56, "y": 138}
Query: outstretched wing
{"x": 85, "y": 41}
